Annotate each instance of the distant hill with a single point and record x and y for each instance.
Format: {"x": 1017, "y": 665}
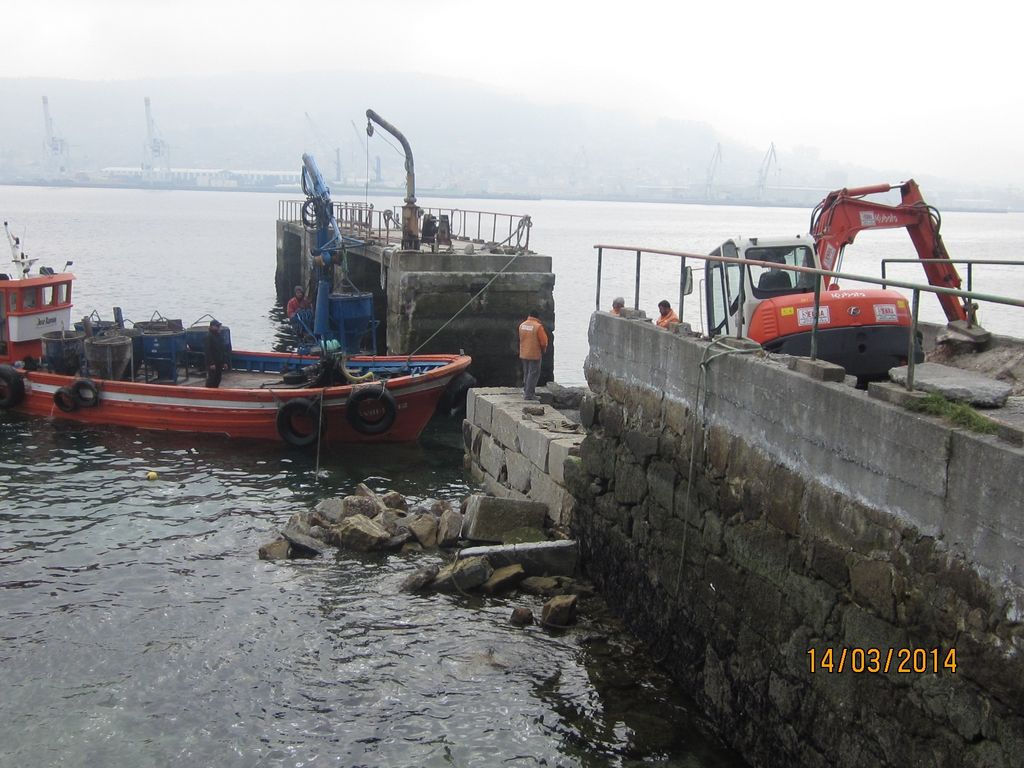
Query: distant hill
{"x": 465, "y": 138}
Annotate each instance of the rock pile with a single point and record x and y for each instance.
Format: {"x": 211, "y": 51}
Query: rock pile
{"x": 518, "y": 552}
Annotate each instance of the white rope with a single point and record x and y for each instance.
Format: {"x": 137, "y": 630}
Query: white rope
{"x": 320, "y": 433}
{"x": 464, "y": 306}
{"x": 701, "y": 405}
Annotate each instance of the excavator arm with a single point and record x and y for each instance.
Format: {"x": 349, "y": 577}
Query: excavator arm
{"x": 838, "y": 218}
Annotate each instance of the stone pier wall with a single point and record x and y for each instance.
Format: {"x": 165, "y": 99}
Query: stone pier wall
{"x": 519, "y": 455}
{"x": 741, "y": 515}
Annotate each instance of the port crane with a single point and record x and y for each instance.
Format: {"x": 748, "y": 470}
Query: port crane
{"x": 156, "y": 152}
{"x": 57, "y": 155}
{"x": 319, "y": 136}
{"x": 770, "y": 161}
{"x": 716, "y": 161}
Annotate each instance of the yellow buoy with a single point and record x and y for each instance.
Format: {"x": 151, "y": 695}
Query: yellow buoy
{"x": 151, "y": 475}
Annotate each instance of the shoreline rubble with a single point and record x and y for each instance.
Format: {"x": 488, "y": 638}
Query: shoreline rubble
{"x": 493, "y": 547}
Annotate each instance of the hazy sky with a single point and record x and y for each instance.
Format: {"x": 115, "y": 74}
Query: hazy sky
{"x": 930, "y": 87}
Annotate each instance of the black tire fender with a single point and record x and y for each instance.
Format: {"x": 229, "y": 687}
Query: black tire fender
{"x": 286, "y": 427}
{"x": 453, "y": 399}
{"x": 64, "y": 398}
{"x": 12, "y": 387}
{"x": 363, "y": 406}
{"x": 86, "y": 393}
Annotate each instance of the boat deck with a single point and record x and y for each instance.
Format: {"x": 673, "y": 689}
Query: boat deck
{"x": 231, "y": 379}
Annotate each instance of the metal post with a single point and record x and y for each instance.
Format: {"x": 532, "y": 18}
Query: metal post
{"x": 682, "y": 285}
{"x": 636, "y": 297}
{"x": 599, "y": 250}
{"x": 814, "y": 325}
{"x": 970, "y": 275}
{"x": 883, "y": 274}
{"x": 913, "y": 339}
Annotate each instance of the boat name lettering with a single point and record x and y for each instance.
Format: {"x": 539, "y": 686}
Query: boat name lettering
{"x": 44, "y": 321}
{"x": 849, "y": 295}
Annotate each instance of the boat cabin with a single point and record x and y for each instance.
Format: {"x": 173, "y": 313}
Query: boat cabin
{"x": 28, "y": 309}
{"x": 31, "y": 305}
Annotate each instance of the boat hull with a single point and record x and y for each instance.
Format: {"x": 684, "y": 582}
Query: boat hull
{"x": 256, "y": 412}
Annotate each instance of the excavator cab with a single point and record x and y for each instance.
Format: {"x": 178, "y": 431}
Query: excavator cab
{"x": 730, "y": 287}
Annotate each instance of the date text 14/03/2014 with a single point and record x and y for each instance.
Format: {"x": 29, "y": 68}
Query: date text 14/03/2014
{"x": 903, "y": 661}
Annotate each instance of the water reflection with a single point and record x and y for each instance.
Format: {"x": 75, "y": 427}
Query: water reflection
{"x": 137, "y": 626}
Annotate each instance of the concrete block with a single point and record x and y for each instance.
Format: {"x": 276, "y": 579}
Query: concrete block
{"x": 554, "y": 497}
{"x": 894, "y": 393}
{"x": 558, "y": 451}
{"x": 499, "y": 490}
{"x": 492, "y": 458}
{"x": 544, "y": 558}
{"x": 505, "y": 426}
{"x": 817, "y": 369}
{"x": 518, "y": 467}
{"x": 476, "y": 436}
{"x": 482, "y": 409}
{"x": 489, "y": 519}
{"x": 534, "y": 442}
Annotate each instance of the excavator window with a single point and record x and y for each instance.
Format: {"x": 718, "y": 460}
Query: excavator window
{"x": 723, "y": 288}
{"x": 772, "y": 281}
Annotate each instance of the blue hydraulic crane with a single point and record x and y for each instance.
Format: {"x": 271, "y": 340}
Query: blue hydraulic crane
{"x": 342, "y": 318}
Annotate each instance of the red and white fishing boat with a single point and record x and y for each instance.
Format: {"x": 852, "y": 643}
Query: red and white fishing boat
{"x": 50, "y": 369}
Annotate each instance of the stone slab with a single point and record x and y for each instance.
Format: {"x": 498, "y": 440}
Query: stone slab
{"x": 555, "y": 498}
{"x": 956, "y": 384}
{"x": 558, "y": 451}
{"x": 534, "y": 442}
{"x": 545, "y": 558}
{"x": 492, "y": 457}
{"x": 505, "y": 427}
{"x": 489, "y": 519}
{"x": 518, "y": 467}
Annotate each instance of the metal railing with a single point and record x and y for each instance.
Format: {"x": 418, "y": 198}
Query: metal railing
{"x": 359, "y": 220}
{"x": 969, "y": 262}
{"x": 916, "y": 288}
{"x": 474, "y": 226}
{"x": 363, "y": 220}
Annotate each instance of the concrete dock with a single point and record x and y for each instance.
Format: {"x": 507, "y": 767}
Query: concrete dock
{"x": 468, "y": 295}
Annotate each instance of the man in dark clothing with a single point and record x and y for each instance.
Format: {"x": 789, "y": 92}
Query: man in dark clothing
{"x": 216, "y": 352}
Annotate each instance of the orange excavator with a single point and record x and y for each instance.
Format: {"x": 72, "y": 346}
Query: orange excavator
{"x": 867, "y": 331}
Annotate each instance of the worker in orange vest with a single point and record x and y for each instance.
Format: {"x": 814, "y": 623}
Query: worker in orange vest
{"x": 668, "y": 315}
{"x": 533, "y": 343}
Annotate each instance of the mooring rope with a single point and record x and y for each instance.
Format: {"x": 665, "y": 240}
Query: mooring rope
{"x": 701, "y": 405}
{"x": 462, "y": 309}
{"x": 320, "y": 433}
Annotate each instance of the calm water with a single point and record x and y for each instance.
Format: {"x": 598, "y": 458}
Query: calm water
{"x": 137, "y": 626}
